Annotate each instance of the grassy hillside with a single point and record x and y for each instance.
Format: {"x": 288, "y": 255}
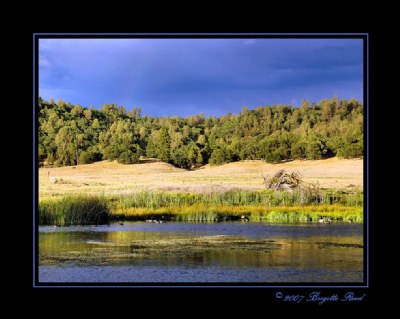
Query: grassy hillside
{"x": 111, "y": 178}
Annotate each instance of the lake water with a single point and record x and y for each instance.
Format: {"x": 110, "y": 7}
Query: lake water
{"x": 253, "y": 252}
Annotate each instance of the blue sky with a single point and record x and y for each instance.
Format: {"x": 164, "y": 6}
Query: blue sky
{"x": 188, "y": 76}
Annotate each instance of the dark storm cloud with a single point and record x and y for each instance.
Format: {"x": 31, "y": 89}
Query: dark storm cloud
{"x": 182, "y": 77}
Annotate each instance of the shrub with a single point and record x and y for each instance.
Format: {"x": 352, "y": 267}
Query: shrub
{"x": 128, "y": 157}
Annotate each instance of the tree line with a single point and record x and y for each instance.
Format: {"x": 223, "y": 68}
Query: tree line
{"x": 71, "y": 134}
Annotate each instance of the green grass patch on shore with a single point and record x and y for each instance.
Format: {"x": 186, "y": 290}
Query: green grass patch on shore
{"x": 208, "y": 207}
{"x": 212, "y": 213}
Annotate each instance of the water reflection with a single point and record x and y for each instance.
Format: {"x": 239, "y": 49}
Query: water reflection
{"x": 298, "y": 258}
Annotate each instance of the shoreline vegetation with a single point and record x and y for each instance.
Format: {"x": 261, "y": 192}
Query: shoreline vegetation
{"x": 265, "y": 205}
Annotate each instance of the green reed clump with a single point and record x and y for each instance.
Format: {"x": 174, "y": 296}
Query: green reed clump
{"x": 209, "y": 216}
{"x": 353, "y": 197}
{"x": 307, "y": 214}
{"x": 153, "y": 200}
{"x": 74, "y": 210}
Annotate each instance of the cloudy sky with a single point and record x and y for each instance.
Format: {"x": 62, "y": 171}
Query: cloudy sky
{"x": 189, "y": 76}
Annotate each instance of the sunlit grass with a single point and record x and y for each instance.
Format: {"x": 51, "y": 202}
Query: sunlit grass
{"x": 268, "y": 198}
{"x": 209, "y": 213}
{"x": 206, "y": 207}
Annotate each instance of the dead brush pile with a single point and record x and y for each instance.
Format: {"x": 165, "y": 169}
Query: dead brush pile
{"x": 284, "y": 181}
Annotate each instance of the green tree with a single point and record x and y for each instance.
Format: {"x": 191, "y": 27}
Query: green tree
{"x": 89, "y": 156}
{"x": 77, "y": 111}
{"x": 135, "y": 113}
{"x": 67, "y": 151}
{"x": 180, "y": 157}
{"x": 128, "y": 157}
{"x": 87, "y": 114}
{"x": 315, "y": 148}
{"x": 120, "y": 138}
{"x": 299, "y": 148}
{"x": 163, "y": 145}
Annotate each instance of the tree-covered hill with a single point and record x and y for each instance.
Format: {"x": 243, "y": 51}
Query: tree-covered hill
{"x": 71, "y": 134}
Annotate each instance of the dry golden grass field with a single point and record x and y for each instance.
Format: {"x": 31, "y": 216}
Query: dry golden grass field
{"x": 111, "y": 178}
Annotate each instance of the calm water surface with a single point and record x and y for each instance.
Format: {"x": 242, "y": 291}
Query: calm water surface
{"x": 307, "y": 252}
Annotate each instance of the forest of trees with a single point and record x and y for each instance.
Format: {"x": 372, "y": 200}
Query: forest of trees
{"x": 72, "y": 134}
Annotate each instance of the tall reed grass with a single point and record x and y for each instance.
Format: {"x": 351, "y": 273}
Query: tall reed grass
{"x": 269, "y": 198}
{"x": 74, "y": 210}
{"x": 207, "y": 207}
